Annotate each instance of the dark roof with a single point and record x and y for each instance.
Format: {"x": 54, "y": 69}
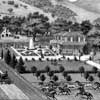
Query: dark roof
{"x": 94, "y": 31}
{"x": 77, "y": 33}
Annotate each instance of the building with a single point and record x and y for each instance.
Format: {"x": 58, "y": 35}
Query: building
{"x": 70, "y": 43}
{"x": 7, "y": 39}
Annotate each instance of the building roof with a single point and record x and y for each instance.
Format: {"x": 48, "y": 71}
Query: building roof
{"x": 77, "y": 33}
{"x": 5, "y": 31}
{"x": 12, "y": 40}
{"x": 67, "y": 43}
{"x": 94, "y": 31}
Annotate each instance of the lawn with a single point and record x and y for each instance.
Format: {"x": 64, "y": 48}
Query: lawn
{"x": 75, "y": 77}
{"x": 68, "y": 65}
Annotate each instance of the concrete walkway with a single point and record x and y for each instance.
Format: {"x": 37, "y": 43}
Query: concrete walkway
{"x": 93, "y": 64}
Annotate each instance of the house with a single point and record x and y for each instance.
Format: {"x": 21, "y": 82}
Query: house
{"x": 7, "y": 39}
{"x": 70, "y": 43}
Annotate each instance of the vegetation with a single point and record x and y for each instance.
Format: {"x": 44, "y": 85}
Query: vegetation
{"x": 13, "y": 61}
{"x": 20, "y": 66}
{"x": 2, "y": 54}
{"x": 68, "y": 78}
{"x": 11, "y": 2}
{"x": 47, "y": 69}
{"x": 82, "y": 70}
{"x": 90, "y": 78}
{"x": 42, "y": 78}
{"x": 33, "y": 70}
{"x": 65, "y": 74}
{"x": 55, "y": 78}
{"x": 86, "y": 75}
{"x": 95, "y": 70}
{"x": 50, "y": 74}
{"x": 37, "y": 74}
{"x": 61, "y": 69}
{"x": 98, "y": 74}
{"x": 7, "y": 57}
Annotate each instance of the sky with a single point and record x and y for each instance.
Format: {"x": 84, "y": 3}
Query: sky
{"x": 72, "y": 0}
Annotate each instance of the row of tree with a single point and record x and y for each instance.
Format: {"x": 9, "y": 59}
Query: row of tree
{"x": 37, "y": 23}
{"x": 87, "y": 75}
{"x": 13, "y": 62}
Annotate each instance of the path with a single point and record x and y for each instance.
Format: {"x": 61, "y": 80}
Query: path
{"x": 27, "y": 88}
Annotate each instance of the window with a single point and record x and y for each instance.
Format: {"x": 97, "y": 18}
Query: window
{"x": 2, "y": 35}
{"x": 6, "y": 35}
{"x": 68, "y": 39}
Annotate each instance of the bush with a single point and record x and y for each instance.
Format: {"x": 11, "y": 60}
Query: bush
{"x": 3, "y": 2}
{"x": 33, "y": 59}
{"x": 40, "y": 59}
{"x": 25, "y": 6}
{"x": 16, "y": 6}
{"x": 26, "y": 59}
{"x": 10, "y": 10}
{"x": 47, "y": 59}
{"x": 11, "y": 2}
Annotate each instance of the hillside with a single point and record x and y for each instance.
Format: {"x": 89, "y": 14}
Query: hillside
{"x": 74, "y": 10}
{"x": 19, "y": 8}
{"x": 80, "y": 7}
{"x": 56, "y": 10}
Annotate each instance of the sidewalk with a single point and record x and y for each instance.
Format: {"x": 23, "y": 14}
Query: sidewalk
{"x": 93, "y": 64}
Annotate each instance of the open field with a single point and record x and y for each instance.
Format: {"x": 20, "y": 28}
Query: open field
{"x": 75, "y": 77}
{"x": 3, "y": 96}
{"x": 13, "y": 92}
{"x": 68, "y": 65}
{"x": 96, "y": 96}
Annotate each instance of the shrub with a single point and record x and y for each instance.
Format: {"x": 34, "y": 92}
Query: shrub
{"x": 26, "y": 59}
{"x": 40, "y": 59}
{"x": 10, "y": 10}
{"x": 11, "y": 2}
{"x": 47, "y": 59}
{"x": 16, "y": 6}
{"x": 61, "y": 69}
{"x": 3, "y": 2}
{"x": 33, "y": 59}
{"x": 25, "y": 6}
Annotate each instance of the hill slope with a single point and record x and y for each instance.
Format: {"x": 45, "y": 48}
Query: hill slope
{"x": 82, "y": 9}
{"x": 19, "y": 8}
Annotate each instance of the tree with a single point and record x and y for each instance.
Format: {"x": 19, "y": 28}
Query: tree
{"x": 55, "y": 78}
{"x": 13, "y": 61}
{"x": 90, "y": 78}
{"x": 34, "y": 69}
{"x": 7, "y": 57}
{"x": 42, "y": 78}
{"x": 20, "y": 66}
{"x": 2, "y": 54}
{"x": 37, "y": 74}
{"x": 87, "y": 48}
{"x": 86, "y": 75}
{"x": 95, "y": 70}
{"x": 47, "y": 68}
{"x": 65, "y": 74}
{"x": 61, "y": 69}
{"x": 82, "y": 70}
{"x": 68, "y": 78}
{"x": 98, "y": 74}
{"x": 50, "y": 74}
{"x": 86, "y": 26}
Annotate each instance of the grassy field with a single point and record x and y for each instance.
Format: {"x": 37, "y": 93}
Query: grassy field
{"x": 75, "y": 77}
{"x": 68, "y": 65}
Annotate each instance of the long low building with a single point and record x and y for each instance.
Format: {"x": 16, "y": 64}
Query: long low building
{"x": 69, "y": 42}
{"x": 7, "y": 39}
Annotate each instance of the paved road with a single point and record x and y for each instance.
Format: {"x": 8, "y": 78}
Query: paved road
{"x": 32, "y": 92}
